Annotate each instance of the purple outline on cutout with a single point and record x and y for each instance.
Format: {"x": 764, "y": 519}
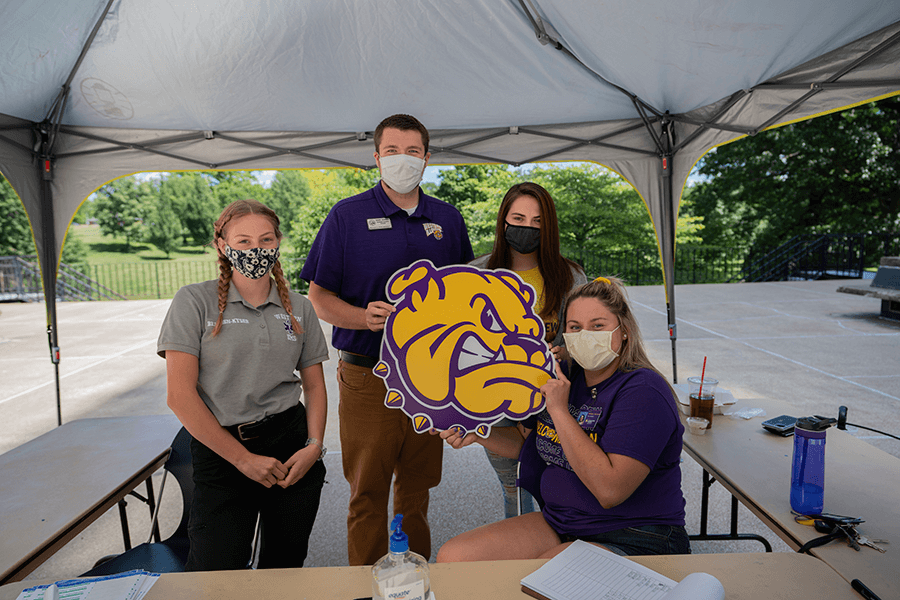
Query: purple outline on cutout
{"x": 500, "y": 331}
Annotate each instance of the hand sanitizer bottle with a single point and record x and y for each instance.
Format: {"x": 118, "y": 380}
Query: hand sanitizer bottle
{"x": 401, "y": 574}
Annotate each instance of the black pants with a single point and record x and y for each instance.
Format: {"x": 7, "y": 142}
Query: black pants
{"x": 226, "y": 504}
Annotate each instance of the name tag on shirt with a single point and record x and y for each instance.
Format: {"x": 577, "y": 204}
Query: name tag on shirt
{"x": 379, "y": 223}
{"x": 588, "y": 418}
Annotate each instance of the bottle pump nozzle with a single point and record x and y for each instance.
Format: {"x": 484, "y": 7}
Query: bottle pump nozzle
{"x": 399, "y": 541}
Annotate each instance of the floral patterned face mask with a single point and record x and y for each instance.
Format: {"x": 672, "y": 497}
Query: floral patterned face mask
{"x": 252, "y": 263}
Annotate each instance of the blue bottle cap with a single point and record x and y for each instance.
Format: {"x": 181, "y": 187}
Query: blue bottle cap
{"x": 399, "y": 541}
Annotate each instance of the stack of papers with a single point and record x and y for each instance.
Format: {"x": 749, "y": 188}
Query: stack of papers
{"x": 131, "y": 585}
{"x": 587, "y": 572}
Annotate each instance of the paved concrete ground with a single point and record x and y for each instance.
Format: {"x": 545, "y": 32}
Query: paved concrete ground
{"x": 800, "y": 342}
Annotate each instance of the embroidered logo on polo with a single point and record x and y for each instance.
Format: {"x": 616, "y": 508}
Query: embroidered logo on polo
{"x": 434, "y": 229}
{"x": 288, "y": 326}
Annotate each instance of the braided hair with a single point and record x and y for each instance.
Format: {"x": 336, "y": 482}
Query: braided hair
{"x": 236, "y": 210}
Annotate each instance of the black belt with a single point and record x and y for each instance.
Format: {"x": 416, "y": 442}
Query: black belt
{"x": 366, "y": 362}
{"x": 263, "y": 427}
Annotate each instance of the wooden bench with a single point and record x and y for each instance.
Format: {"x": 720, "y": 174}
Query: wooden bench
{"x": 885, "y": 287}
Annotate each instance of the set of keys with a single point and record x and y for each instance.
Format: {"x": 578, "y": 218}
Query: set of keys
{"x": 855, "y": 540}
{"x": 837, "y": 526}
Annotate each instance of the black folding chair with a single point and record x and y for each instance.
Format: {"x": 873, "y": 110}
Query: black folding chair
{"x": 169, "y": 555}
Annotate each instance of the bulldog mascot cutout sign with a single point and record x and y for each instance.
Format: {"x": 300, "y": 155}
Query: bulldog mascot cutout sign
{"x": 463, "y": 349}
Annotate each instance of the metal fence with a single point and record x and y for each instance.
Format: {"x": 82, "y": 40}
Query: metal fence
{"x": 693, "y": 264}
{"x": 148, "y": 280}
{"x": 20, "y": 278}
{"x": 821, "y": 256}
{"x": 20, "y": 281}
{"x": 161, "y": 279}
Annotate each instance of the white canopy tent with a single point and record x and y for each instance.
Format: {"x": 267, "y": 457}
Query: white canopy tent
{"x": 98, "y": 89}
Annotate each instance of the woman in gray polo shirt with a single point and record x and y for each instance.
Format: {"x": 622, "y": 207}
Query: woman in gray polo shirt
{"x": 239, "y": 352}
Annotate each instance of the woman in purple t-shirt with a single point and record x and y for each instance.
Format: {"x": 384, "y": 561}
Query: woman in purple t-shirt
{"x": 603, "y": 458}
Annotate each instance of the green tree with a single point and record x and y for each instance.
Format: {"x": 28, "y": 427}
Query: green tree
{"x": 191, "y": 198}
{"x": 228, "y": 186}
{"x": 119, "y": 207}
{"x": 839, "y": 173}
{"x": 84, "y": 212}
{"x": 15, "y": 229}
{"x": 327, "y": 187}
{"x": 288, "y": 192}
{"x": 75, "y": 253}
{"x": 163, "y": 225}
{"x": 477, "y": 190}
{"x": 599, "y": 212}
{"x": 359, "y": 179}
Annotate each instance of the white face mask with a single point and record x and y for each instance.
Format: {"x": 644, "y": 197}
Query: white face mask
{"x": 591, "y": 349}
{"x": 402, "y": 172}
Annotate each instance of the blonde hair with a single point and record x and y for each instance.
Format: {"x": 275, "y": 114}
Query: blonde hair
{"x": 610, "y": 291}
{"x": 236, "y": 210}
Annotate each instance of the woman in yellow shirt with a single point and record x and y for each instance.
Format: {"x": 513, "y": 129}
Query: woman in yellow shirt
{"x": 527, "y": 242}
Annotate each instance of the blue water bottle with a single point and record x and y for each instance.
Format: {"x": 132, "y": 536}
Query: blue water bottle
{"x": 808, "y": 465}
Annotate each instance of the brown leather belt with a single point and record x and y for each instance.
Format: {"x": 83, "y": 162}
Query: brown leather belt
{"x": 263, "y": 427}
{"x": 366, "y": 362}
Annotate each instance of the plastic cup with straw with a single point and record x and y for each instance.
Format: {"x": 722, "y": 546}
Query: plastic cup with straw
{"x": 699, "y": 408}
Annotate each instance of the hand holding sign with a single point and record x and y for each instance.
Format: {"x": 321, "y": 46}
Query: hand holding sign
{"x": 463, "y": 349}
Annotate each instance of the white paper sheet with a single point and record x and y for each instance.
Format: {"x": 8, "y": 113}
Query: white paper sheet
{"x": 586, "y": 572}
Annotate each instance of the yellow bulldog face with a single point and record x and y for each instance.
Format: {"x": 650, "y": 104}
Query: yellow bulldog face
{"x": 464, "y": 347}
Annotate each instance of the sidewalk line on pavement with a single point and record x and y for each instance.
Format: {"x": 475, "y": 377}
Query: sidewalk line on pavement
{"x": 136, "y": 310}
{"x": 52, "y": 381}
{"x": 769, "y": 352}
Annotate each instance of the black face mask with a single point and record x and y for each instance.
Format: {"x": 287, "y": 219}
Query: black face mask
{"x": 523, "y": 240}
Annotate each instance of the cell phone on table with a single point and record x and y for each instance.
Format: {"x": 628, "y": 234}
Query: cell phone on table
{"x": 783, "y": 425}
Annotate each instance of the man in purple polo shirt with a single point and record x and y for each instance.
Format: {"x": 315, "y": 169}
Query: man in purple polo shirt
{"x": 364, "y": 240}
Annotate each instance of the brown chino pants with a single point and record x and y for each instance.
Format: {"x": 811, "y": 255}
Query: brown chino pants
{"x": 378, "y": 443}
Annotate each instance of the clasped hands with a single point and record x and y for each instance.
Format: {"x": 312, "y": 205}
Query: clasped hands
{"x": 269, "y": 471}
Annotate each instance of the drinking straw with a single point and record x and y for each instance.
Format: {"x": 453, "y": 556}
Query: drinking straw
{"x": 702, "y": 374}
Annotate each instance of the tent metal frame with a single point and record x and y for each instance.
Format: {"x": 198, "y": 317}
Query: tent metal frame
{"x": 660, "y": 127}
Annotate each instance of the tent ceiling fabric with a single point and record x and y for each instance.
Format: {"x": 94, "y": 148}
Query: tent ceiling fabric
{"x": 321, "y": 65}
{"x": 279, "y": 84}
{"x": 214, "y": 84}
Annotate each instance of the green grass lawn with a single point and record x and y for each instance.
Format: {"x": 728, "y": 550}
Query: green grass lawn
{"x": 104, "y": 249}
{"x": 141, "y": 270}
